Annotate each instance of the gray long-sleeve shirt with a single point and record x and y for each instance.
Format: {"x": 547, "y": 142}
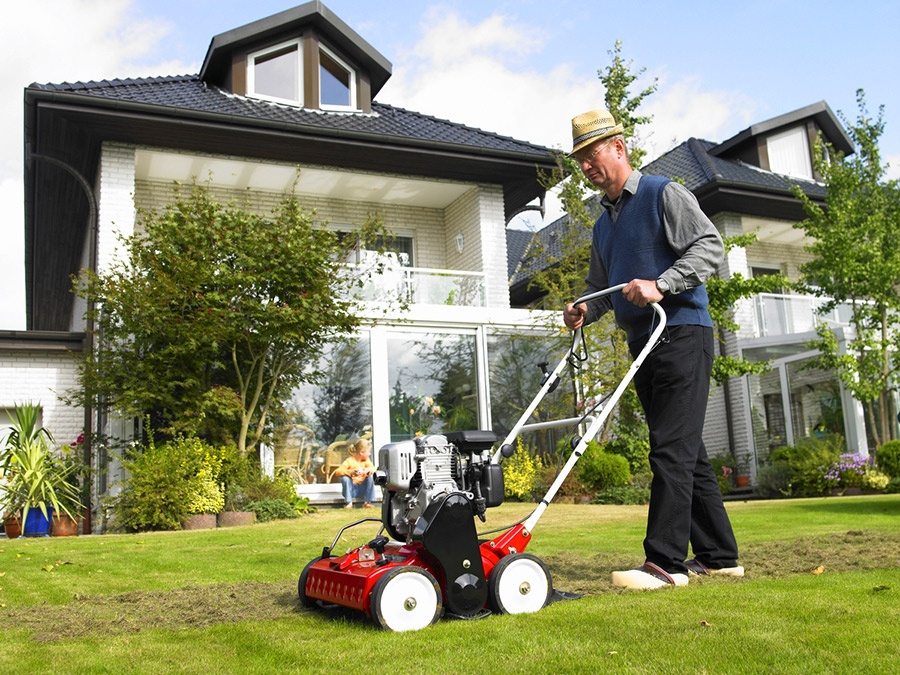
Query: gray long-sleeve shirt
{"x": 689, "y": 232}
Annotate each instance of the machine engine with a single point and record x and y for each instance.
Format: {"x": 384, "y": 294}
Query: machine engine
{"x": 415, "y": 473}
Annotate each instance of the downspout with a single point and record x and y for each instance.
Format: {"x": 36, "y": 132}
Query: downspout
{"x": 88, "y": 344}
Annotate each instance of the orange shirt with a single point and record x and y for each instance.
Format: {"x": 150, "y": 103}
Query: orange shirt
{"x": 350, "y": 464}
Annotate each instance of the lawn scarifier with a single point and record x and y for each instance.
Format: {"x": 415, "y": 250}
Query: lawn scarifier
{"x": 427, "y": 558}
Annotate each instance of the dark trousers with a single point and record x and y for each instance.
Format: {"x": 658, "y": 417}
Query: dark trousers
{"x": 685, "y": 502}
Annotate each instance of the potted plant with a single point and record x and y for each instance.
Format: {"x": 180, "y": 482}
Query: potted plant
{"x": 65, "y": 520}
{"x": 36, "y": 480}
{"x": 236, "y": 512}
{"x": 207, "y": 501}
{"x": 11, "y": 510}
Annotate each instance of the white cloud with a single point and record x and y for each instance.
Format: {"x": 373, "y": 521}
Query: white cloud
{"x": 12, "y": 255}
{"x": 59, "y": 41}
{"x": 682, "y": 109}
{"x": 474, "y": 74}
{"x": 893, "y": 172}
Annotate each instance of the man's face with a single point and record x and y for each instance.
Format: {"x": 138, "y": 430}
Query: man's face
{"x": 597, "y": 162}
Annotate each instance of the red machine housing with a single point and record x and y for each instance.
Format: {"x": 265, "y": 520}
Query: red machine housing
{"x": 348, "y": 580}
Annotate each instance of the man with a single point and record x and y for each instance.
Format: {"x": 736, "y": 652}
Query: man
{"x": 356, "y": 475}
{"x": 653, "y": 237}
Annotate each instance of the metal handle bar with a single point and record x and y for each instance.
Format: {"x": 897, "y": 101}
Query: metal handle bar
{"x": 552, "y": 379}
{"x": 599, "y": 421}
{"x": 599, "y": 294}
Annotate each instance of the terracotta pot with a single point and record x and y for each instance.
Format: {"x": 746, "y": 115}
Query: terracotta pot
{"x": 235, "y": 518}
{"x": 13, "y": 527}
{"x": 742, "y": 481}
{"x": 199, "y": 521}
{"x": 64, "y": 526}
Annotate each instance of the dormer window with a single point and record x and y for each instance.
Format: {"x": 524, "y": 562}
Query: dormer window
{"x": 337, "y": 82}
{"x": 303, "y": 56}
{"x": 276, "y": 73}
{"x": 789, "y": 153}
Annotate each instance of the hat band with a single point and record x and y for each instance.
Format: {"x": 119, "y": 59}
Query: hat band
{"x": 591, "y": 134}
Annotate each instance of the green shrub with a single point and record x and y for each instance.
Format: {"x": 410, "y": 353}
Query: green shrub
{"x": 810, "y": 461}
{"x": 208, "y": 495}
{"x": 875, "y": 480}
{"x": 272, "y": 509}
{"x": 162, "y": 484}
{"x": 893, "y": 486}
{"x": 622, "y": 494}
{"x": 599, "y": 470}
{"x": 635, "y": 450}
{"x": 773, "y": 480}
{"x": 570, "y": 487}
{"x": 888, "y": 458}
{"x": 260, "y": 487}
{"x": 520, "y": 473}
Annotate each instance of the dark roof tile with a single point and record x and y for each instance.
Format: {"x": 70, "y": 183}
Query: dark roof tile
{"x": 188, "y": 92}
{"x": 688, "y": 162}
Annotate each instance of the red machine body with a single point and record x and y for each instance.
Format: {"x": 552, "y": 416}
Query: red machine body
{"x": 349, "y": 580}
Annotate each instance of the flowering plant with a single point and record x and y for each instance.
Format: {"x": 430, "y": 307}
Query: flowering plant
{"x": 847, "y": 471}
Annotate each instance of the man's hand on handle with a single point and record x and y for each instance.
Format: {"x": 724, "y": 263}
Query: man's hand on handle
{"x": 574, "y": 316}
{"x": 639, "y": 291}
{"x": 642, "y": 292}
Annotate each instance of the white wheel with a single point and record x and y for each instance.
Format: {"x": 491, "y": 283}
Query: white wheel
{"x": 406, "y": 598}
{"x": 519, "y": 584}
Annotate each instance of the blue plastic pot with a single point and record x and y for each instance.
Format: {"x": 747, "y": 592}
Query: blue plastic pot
{"x": 36, "y": 524}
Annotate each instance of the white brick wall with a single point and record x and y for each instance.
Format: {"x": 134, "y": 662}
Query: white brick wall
{"x": 40, "y": 377}
{"x": 478, "y": 214}
{"x": 116, "y": 200}
{"x": 493, "y": 232}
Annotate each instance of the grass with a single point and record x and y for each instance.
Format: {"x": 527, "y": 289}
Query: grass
{"x": 225, "y": 601}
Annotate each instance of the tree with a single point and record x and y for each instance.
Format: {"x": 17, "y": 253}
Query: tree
{"x": 617, "y": 78}
{"x": 723, "y": 296}
{"x": 561, "y": 276}
{"x": 856, "y": 244}
{"x": 214, "y": 314}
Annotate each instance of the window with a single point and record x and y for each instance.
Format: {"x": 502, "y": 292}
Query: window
{"x": 789, "y": 153}
{"x": 433, "y": 383}
{"x": 323, "y": 418}
{"x": 337, "y": 82}
{"x": 276, "y": 73}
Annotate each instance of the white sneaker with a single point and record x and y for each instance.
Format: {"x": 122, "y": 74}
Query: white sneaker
{"x": 647, "y": 577}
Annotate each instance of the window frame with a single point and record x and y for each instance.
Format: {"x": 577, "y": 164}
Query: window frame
{"x": 353, "y": 105}
{"x": 251, "y": 72}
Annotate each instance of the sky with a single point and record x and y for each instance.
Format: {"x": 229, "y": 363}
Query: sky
{"x": 521, "y": 68}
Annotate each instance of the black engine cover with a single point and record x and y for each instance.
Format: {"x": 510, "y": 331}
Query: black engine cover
{"x": 447, "y": 531}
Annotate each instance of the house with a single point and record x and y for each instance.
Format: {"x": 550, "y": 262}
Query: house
{"x": 294, "y": 89}
{"x": 744, "y": 185}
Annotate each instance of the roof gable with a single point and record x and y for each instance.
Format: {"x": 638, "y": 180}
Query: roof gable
{"x": 819, "y": 113}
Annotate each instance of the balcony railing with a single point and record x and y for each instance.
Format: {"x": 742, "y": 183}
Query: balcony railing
{"x": 777, "y": 314}
{"x": 419, "y": 285}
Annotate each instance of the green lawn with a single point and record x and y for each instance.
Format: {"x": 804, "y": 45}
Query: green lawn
{"x": 225, "y": 601}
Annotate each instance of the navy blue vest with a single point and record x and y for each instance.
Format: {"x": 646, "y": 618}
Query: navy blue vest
{"x": 635, "y": 247}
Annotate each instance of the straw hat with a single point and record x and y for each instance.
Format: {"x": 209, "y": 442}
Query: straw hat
{"x": 592, "y": 126}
